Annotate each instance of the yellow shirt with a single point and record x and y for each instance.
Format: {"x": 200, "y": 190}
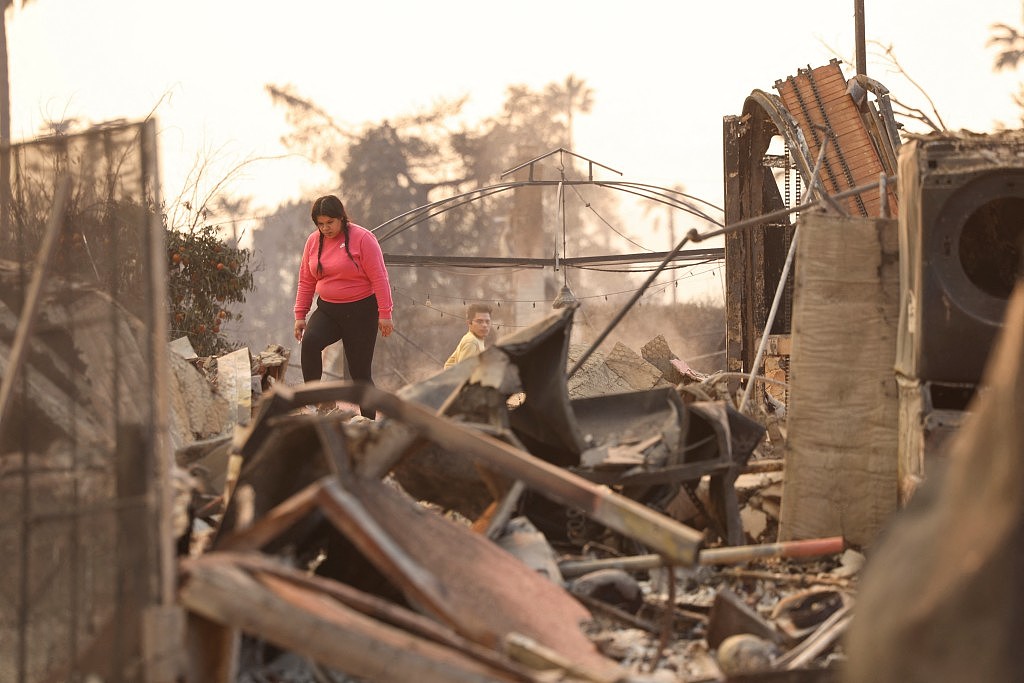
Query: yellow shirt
{"x": 469, "y": 346}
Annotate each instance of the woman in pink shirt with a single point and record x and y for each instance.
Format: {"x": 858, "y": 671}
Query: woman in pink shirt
{"x": 343, "y": 265}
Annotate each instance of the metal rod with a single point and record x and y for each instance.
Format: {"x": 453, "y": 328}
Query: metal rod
{"x": 726, "y": 555}
{"x": 28, "y": 314}
{"x": 560, "y": 152}
{"x": 504, "y": 511}
{"x": 698, "y": 237}
{"x": 858, "y": 21}
{"x": 771, "y": 320}
{"x": 662, "y": 195}
{"x": 400, "y": 260}
{"x": 628, "y": 305}
{"x": 781, "y": 213}
{"x": 817, "y": 186}
{"x": 817, "y": 190}
{"x": 760, "y": 378}
{"x": 883, "y": 195}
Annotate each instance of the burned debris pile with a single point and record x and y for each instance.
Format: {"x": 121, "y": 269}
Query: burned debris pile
{"x": 499, "y": 521}
{"x": 508, "y": 520}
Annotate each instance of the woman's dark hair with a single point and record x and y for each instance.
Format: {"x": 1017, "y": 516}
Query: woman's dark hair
{"x": 329, "y": 205}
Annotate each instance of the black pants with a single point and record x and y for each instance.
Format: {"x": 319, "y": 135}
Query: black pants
{"x": 355, "y": 325}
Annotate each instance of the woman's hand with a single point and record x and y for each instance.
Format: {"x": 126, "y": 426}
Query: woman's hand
{"x": 300, "y": 328}
{"x": 386, "y": 326}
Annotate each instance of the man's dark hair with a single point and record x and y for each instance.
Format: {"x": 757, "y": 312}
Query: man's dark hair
{"x": 473, "y": 309}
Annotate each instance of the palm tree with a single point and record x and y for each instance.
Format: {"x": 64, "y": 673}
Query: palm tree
{"x": 655, "y": 208}
{"x": 570, "y": 97}
{"x": 1009, "y": 41}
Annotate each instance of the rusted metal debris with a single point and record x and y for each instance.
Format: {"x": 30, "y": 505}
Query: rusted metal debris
{"x": 724, "y": 555}
{"x": 822, "y": 103}
{"x": 339, "y": 626}
{"x": 456, "y": 577}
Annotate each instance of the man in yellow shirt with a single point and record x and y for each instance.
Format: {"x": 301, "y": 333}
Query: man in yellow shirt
{"x": 478, "y": 318}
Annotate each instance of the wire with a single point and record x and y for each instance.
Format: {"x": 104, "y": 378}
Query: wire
{"x": 413, "y": 297}
{"x": 419, "y": 348}
{"x": 601, "y": 218}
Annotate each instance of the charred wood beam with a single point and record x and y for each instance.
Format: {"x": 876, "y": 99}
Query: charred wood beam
{"x": 346, "y": 513}
{"x": 302, "y": 620}
{"x": 488, "y": 595}
{"x": 487, "y": 601}
{"x": 271, "y": 525}
{"x": 372, "y": 606}
{"x": 676, "y": 541}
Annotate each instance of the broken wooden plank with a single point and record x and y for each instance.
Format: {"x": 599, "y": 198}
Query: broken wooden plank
{"x": 630, "y": 518}
{"x": 488, "y": 595}
{"x": 372, "y": 606}
{"x": 529, "y": 651}
{"x": 271, "y": 525}
{"x": 347, "y": 513}
{"x": 311, "y": 624}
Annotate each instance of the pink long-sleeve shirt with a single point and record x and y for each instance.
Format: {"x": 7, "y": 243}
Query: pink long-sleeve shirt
{"x": 342, "y": 280}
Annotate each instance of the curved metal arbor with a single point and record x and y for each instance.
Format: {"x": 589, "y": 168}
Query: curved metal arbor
{"x": 662, "y": 195}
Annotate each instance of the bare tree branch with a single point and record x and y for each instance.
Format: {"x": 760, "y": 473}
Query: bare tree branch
{"x": 890, "y": 55}
{"x": 913, "y": 113}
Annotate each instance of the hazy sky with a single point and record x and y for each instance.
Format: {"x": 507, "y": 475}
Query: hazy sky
{"x": 663, "y": 73}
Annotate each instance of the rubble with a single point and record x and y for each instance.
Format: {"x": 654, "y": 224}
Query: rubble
{"x": 502, "y": 521}
{"x": 290, "y": 523}
{"x": 539, "y": 562}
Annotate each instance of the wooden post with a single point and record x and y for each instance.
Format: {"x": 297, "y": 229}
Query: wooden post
{"x": 841, "y": 452}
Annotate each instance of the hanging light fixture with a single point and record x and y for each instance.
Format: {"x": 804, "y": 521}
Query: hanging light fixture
{"x": 565, "y": 298}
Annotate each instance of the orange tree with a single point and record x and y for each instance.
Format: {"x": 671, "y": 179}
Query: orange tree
{"x": 205, "y": 276}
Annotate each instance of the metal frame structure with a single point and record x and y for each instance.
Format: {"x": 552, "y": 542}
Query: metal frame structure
{"x": 755, "y": 258}
{"x": 85, "y": 460}
{"x": 662, "y": 195}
